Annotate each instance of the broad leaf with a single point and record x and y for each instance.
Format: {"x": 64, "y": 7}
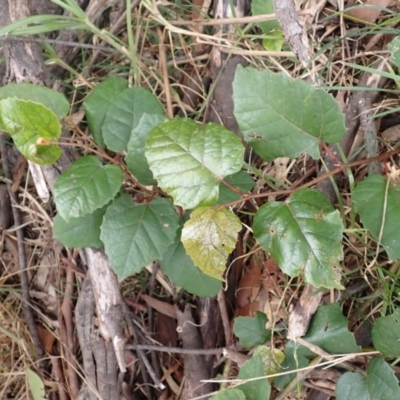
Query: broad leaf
{"x": 86, "y": 186}
{"x": 304, "y": 236}
{"x": 209, "y": 237}
{"x": 190, "y": 160}
{"x": 379, "y": 204}
{"x": 36, "y": 385}
{"x": 328, "y": 330}
{"x": 124, "y": 114}
{"x": 255, "y": 389}
{"x": 80, "y": 232}
{"x": 394, "y": 48}
{"x": 135, "y": 159}
{"x": 241, "y": 180}
{"x": 33, "y": 128}
{"x": 386, "y": 335}
{"x": 380, "y": 384}
{"x": 230, "y": 394}
{"x": 260, "y": 7}
{"x": 136, "y": 234}
{"x": 55, "y": 101}
{"x": 179, "y": 267}
{"x": 281, "y": 117}
{"x": 99, "y": 101}
{"x": 252, "y": 331}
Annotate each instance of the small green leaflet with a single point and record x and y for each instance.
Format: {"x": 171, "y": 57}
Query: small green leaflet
{"x": 99, "y": 101}
{"x": 33, "y": 127}
{"x": 135, "y": 159}
{"x": 281, "y": 117}
{"x": 190, "y": 160}
{"x": 251, "y": 331}
{"x": 49, "y": 98}
{"x": 36, "y": 385}
{"x": 255, "y": 389}
{"x": 372, "y": 197}
{"x": 386, "y": 335}
{"x": 86, "y": 186}
{"x": 209, "y": 237}
{"x": 135, "y": 234}
{"x": 124, "y": 114}
{"x": 379, "y": 384}
{"x": 271, "y": 359}
{"x": 80, "y": 232}
{"x": 304, "y": 236}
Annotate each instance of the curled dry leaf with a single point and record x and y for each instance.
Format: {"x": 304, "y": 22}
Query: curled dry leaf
{"x": 370, "y": 11}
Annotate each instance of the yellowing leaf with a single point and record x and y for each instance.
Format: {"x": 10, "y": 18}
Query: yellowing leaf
{"x": 209, "y": 237}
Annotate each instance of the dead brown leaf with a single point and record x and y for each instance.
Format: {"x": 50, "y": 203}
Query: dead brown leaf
{"x": 370, "y": 11}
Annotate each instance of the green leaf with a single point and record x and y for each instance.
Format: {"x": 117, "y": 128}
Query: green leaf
{"x": 296, "y": 357}
{"x": 80, "y": 232}
{"x": 241, "y": 180}
{"x": 371, "y": 197}
{"x": 36, "y": 385}
{"x": 274, "y": 41}
{"x": 209, "y": 237}
{"x": 386, "y": 335}
{"x": 380, "y": 384}
{"x": 179, "y": 267}
{"x": 281, "y": 117}
{"x": 261, "y": 7}
{"x": 135, "y": 159}
{"x": 256, "y": 389}
{"x": 252, "y": 331}
{"x": 33, "y": 127}
{"x": 304, "y": 236}
{"x": 99, "y": 101}
{"x": 271, "y": 359}
{"x": 190, "y": 160}
{"x": 231, "y": 394}
{"x": 328, "y": 330}
{"x": 394, "y": 48}
{"x": 55, "y": 101}
{"x": 124, "y": 114}
{"x": 86, "y": 186}
{"x": 136, "y": 234}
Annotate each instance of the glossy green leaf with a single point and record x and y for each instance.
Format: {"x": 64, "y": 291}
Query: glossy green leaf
{"x": 33, "y": 128}
{"x": 386, "y": 335}
{"x": 378, "y": 202}
{"x": 80, "y": 232}
{"x": 241, "y": 180}
{"x": 379, "y": 384}
{"x": 209, "y": 237}
{"x": 55, "y": 101}
{"x": 271, "y": 359}
{"x": 36, "y": 385}
{"x": 190, "y": 160}
{"x": 179, "y": 267}
{"x": 230, "y": 394}
{"x": 281, "y": 117}
{"x": 394, "y": 48}
{"x": 328, "y": 330}
{"x": 274, "y": 41}
{"x": 134, "y": 234}
{"x": 135, "y": 159}
{"x": 252, "y": 331}
{"x": 124, "y": 114}
{"x": 86, "y": 186}
{"x": 256, "y": 389}
{"x": 99, "y": 101}
{"x": 304, "y": 236}
{"x": 261, "y": 7}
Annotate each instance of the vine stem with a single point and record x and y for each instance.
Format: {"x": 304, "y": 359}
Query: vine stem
{"x": 316, "y": 180}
